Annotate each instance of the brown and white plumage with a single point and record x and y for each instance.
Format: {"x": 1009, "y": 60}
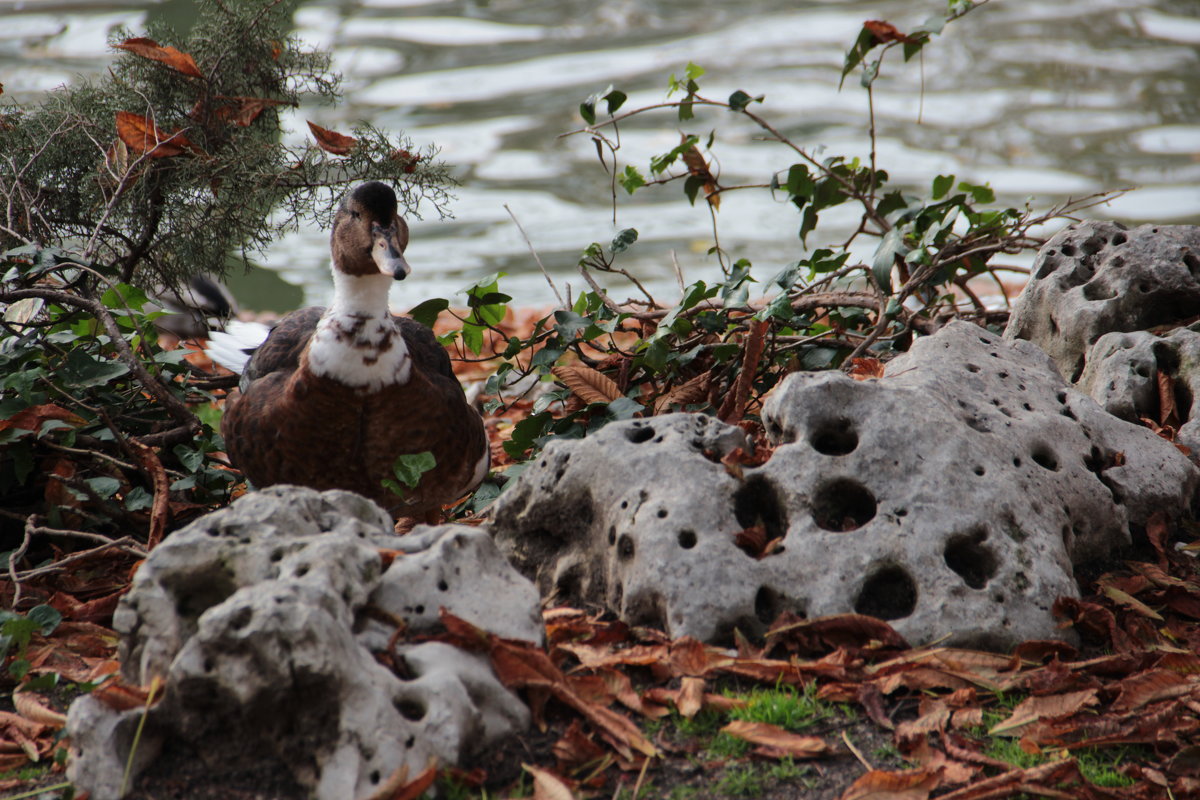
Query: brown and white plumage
{"x": 333, "y": 396}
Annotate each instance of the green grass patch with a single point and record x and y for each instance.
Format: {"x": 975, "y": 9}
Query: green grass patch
{"x": 785, "y": 706}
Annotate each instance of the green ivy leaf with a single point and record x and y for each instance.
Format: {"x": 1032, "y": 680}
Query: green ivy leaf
{"x": 427, "y": 313}
{"x": 891, "y": 244}
{"x": 862, "y": 45}
{"x": 104, "y": 486}
{"x": 47, "y": 618}
{"x": 624, "y": 408}
{"x": 615, "y": 99}
{"x": 408, "y": 469}
{"x": 980, "y": 194}
{"x": 631, "y": 180}
{"x": 83, "y": 371}
{"x": 622, "y": 240}
{"x": 587, "y": 110}
{"x": 941, "y": 185}
{"x": 869, "y": 74}
{"x": 739, "y": 100}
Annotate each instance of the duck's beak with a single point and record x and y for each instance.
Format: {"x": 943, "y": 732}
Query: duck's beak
{"x": 387, "y": 253}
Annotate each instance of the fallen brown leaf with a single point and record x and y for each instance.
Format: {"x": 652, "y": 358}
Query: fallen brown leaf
{"x": 880, "y": 785}
{"x": 589, "y": 385}
{"x": 547, "y": 785}
{"x": 331, "y": 141}
{"x": 777, "y": 739}
{"x": 148, "y": 48}
{"x": 1034, "y": 709}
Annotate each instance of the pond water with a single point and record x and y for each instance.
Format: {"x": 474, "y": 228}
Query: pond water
{"x": 1040, "y": 99}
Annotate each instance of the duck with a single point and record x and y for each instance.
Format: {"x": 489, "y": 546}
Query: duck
{"x": 333, "y": 396}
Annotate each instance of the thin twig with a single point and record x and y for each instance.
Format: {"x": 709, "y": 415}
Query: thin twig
{"x": 126, "y": 544}
{"x": 604, "y": 298}
{"x": 857, "y": 753}
{"x": 16, "y": 556}
{"x": 541, "y": 266}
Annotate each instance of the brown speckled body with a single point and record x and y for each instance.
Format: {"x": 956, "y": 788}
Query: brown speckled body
{"x": 290, "y": 426}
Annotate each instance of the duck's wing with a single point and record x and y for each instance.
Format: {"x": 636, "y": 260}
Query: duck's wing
{"x": 281, "y": 351}
{"x": 232, "y": 347}
{"x": 427, "y": 355}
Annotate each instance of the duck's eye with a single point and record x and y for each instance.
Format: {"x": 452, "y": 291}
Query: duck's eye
{"x": 354, "y": 214}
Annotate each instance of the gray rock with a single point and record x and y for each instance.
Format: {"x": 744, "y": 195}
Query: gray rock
{"x": 263, "y": 618}
{"x": 1122, "y": 376}
{"x": 953, "y": 497}
{"x": 1099, "y": 277}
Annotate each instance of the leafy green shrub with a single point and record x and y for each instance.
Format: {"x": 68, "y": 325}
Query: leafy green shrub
{"x": 717, "y": 350}
{"x": 172, "y": 160}
{"x": 143, "y": 179}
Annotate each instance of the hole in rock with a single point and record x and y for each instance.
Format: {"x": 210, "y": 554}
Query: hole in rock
{"x": 443, "y": 586}
{"x": 972, "y": 368}
{"x": 767, "y": 605}
{"x": 639, "y": 434}
{"x": 843, "y": 504}
{"x": 1120, "y": 238}
{"x": 889, "y": 593}
{"x": 612, "y": 535}
{"x": 687, "y": 539}
{"x": 973, "y": 561}
{"x": 1068, "y": 250}
{"x": 1192, "y": 263}
{"x": 649, "y": 610}
{"x": 662, "y": 513}
{"x": 1016, "y": 461}
{"x": 756, "y": 502}
{"x": 201, "y": 592}
{"x": 411, "y": 709}
{"x": 1167, "y": 359}
{"x": 625, "y": 547}
{"x": 1094, "y": 244}
{"x": 980, "y": 470}
{"x": 1095, "y": 290}
{"x": 1044, "y": 457}
{"x": 833, "y": 437}
{"x": 375, "y": 777}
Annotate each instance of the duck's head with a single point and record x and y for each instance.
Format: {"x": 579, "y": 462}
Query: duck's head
{"x": 369, "y": 237}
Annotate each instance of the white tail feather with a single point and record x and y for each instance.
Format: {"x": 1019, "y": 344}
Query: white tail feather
{"x": 232, "y": 347}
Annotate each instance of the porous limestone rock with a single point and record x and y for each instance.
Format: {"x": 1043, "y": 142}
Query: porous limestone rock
{"x": 1095, "y": 278}
{"x": 952, "y": 497}
{"x": 1122, "y": 376}
{"x": 263, "y": 619}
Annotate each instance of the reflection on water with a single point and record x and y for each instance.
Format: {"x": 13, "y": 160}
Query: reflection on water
{"x": 1046, "y": 99}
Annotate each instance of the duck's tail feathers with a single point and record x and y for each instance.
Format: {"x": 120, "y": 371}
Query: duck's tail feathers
{"x": 233, "y": 347}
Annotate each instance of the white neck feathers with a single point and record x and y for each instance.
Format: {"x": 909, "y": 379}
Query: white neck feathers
{"x": 356, "y": 341}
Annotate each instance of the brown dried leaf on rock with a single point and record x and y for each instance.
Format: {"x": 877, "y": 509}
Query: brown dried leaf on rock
{"x": 331, "y": 141}
{"x": 862, "y": 369}
{"x": 148, "y": 48}
{"x": 587, "y": 384}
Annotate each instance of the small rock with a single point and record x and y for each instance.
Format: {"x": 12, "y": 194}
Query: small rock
{"x": 263, "y": 618}
{"x": 1095, "y": 278}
